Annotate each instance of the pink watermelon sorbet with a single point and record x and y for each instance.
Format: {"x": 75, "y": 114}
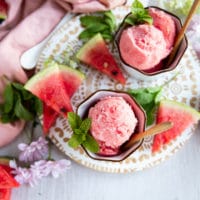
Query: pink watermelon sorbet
{"x": 145, "y": 46}
{"x": 113, "y": 122}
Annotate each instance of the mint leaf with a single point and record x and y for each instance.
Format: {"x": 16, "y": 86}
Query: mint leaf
{"x": 80, "y": 133}
{"x": 148, "y": 98}
{"x": 91, "y": 144}
{"x": 101, "y": 22}
{"x": 74, "y": 120}
{"x": 87, "y": 20}
{"x": 18, "y": 103}
{"x": 75, "y": 141}
{"x": 85, "y": 125}
{"x": 139, "y": 15}
{"x": 21, "y": 112}
{"x": 8, "y": 96}
{"x": 38, "y": 106}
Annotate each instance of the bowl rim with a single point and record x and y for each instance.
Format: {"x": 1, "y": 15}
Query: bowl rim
{"x": 148, "y": 74}
{"x": 139, "y": 143}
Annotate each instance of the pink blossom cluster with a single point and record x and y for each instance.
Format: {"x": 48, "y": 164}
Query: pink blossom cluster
{"x": 38, "y": 170}
{"x": 36, "y": 153}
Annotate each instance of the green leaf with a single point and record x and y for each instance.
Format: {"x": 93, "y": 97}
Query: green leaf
{"x": 86, "y": 35}
{"x": 137, "y": 8}
{"x": 148, "y": 98}
{"x": 130, "y": 20}
{"x": 74, "y": 120}
{"x": 8, "y": 96}
{"x": 87, "y": 20}
{"x": 78, "y": 131}
{"x": 85, "y": 125}
{"x": 144, "y": 98}
{"x": 38, "y": 106}
{"x": 21, "y": 112}
{"x": 103, "y": 23}
{"x": 75, "y": 140}
{"x": 91, "y": 144}
{"x": 110, "y": 20}
{"x": 139, "y": 14}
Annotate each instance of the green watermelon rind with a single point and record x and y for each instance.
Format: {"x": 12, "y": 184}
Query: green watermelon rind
{"x": 181, "y": 106}
{"x": 48, "y": 71}
{"x": 81, "y": 55}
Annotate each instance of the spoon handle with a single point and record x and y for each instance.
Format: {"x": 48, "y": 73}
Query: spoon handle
{"x": 158, "y": 128}
{"x": 180, "y": 36}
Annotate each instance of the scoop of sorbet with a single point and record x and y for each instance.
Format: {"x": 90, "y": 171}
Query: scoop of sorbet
{"x": 143, "y": 46}
{"x": 113, "y": 122}
{"x": 165, "y": 23}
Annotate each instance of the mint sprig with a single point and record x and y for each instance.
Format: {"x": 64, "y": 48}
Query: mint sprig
{"x": 80, "y": 134}
{"x": 18, "y": 103}
{"x": 102, "y": 22}
{"x": 148, "y": 98}
{"x": 139, "y": 15}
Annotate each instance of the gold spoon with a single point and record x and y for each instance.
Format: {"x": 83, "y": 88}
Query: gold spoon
{"x": 180, "y": 36}
{"x": 158, "y": 128}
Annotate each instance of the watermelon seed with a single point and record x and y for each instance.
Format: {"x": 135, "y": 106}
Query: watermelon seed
{"x": 114, "y": 73}
{"x": 64, "y": 110}
{"x": 105, "y": 65}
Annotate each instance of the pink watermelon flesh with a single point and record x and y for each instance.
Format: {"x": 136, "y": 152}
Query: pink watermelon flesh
{"x": 182, "y": 117}
{"x": 49, "y": 118}
{"x": 49, "y": 114}
{"x": 54, "y": 94}
{"x": 96, "y": 54}
{"x": 55, "y": 86}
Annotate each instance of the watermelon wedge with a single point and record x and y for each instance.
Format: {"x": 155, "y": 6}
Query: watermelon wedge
{"x": 6, "y": 180}
{"x": 49, "y": 118}
{"x": 55, "y": 85}
{"x": 182, "y": 117}
{"x": 5, "y": 194}
{"x": 96, "y": 54}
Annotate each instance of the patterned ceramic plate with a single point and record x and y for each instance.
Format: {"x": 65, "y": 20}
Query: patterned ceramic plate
{"x": 184, "y": 88}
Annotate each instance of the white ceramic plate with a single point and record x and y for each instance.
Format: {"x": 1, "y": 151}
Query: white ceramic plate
{"x": 184, "y": 88}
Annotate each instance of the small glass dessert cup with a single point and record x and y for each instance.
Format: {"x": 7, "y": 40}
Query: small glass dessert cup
{"x": 83, "y": 110}
{"x": 167, "y": 69}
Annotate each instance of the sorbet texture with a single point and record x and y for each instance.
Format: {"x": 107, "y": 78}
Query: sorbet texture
{"x": 113, "y": 122}
{"x": 145, "y": 46}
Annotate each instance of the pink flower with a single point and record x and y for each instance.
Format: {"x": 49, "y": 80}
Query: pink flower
{"x": 38, "y": 170}
{"x": 35, "y": 151}
{"x": 23, "y": 175}
{"x": 55, "y": 168}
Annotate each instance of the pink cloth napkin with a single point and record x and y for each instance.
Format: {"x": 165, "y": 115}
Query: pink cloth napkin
{"x": 28, "y": 23}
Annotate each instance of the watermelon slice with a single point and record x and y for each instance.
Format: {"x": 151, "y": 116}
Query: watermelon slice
{"x": 55, "y": 85}
{"x": 3, "y": 10}
{"x": 5, "y": 194}
{"x": 49, "y": 118}
{"x": 96, "y": 54}
{"x": 182, "y": 117}
{"x": 6, "y": 179}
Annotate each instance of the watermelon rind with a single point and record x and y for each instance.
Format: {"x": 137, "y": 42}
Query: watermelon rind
{"x": 181, "y": 115}
{"x": 45, "y": 72}
{"x": 181, "y": 106}
{"x": 95, "y": 53}
{"x": 81, "y": 55}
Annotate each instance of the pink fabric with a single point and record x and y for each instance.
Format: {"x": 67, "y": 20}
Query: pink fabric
{"x": 28, "y": 23}
{"x": 85, "y": 6}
